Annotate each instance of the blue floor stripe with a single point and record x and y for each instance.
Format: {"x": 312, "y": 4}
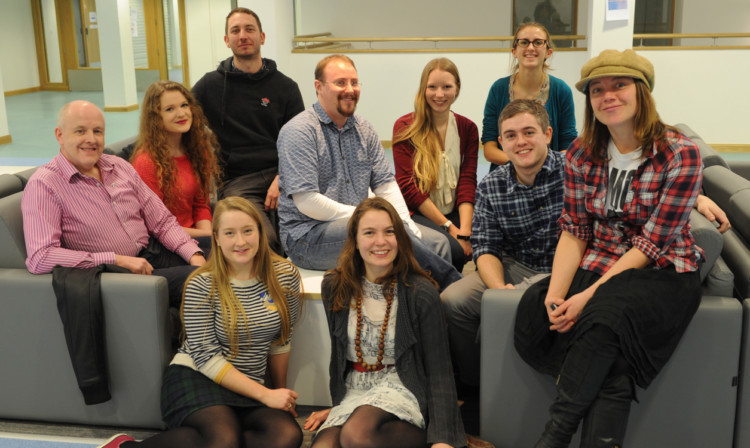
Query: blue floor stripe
{"x": 22, "y": 443}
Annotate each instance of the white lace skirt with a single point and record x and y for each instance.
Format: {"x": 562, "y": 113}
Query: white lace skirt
{"x": 382, "y": 389}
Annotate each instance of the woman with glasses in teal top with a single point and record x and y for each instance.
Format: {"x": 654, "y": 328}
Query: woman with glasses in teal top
{"x": 532, "y": 47}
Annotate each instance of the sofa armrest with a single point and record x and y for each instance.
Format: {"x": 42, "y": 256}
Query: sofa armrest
{"x": 37, "y": 380}
{"x": 741, "y": 167}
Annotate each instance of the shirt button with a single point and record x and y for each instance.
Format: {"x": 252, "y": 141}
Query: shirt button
{"x": 347, "y": 181}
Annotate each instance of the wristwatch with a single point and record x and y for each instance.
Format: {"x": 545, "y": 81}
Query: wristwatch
{"x": 447, "y": 225}
{"x": 464, "y": 237}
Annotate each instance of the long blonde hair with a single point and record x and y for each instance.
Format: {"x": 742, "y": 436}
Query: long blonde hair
{"x": 267, "y": 267}
{"x": 424, "y": 137}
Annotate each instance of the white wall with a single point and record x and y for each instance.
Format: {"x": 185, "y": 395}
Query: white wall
{"x": 689, "y": 88}
{"x": 18, "y": 51}
{"x": 405, "y": 18}
{"x": 390, "y": 82}
{"x": 722, "y": 16}
{"x": 204, "y": 27}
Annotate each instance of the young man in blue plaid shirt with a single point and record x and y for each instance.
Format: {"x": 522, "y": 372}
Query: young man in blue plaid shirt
{"x": 514, "y": 231}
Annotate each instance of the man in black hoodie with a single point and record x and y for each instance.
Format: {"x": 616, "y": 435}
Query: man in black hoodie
{"x": 247, "y": 101}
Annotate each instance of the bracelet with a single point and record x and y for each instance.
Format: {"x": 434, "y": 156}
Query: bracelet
{"x": 446, "y": 225}
{"x": 464, "y": 237}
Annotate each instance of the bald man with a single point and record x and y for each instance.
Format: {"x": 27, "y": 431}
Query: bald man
{"x": 85, "y": 208}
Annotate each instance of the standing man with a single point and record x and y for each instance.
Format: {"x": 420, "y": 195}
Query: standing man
{"x": 247, "y": 101}
{"x": 329, "y": 157}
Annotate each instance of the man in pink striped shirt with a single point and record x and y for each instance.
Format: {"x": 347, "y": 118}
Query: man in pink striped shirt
{"x": 84, "y": 208}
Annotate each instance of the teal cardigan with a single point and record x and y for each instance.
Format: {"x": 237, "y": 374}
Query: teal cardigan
{"x": 559, "y": 106}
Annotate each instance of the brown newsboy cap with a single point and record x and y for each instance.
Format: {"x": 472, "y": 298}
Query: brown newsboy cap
{"x": 617, "y": 63}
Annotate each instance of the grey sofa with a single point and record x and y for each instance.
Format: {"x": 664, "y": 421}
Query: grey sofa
{"x": 36, "y": 378}
{"x": 732, "y": 192}
{"x": 692, "y": 403}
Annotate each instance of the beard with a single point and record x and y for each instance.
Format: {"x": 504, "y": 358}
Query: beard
{"x": 347, "y": 111}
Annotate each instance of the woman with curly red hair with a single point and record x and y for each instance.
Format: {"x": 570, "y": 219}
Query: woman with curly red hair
{"x": 176, "y": 155}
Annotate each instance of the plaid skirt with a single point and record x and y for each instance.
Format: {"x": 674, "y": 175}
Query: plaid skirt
{"x": 185, "y": 391}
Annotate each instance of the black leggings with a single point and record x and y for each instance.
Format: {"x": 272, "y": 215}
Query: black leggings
{"x": 226, "y": 427}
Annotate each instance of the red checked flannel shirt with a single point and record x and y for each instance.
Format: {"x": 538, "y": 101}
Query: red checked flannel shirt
{"x": 656, "y": 211}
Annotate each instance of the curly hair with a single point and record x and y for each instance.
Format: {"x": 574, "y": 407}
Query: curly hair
{"x": 424, "y": 137}
{"x": 347, "y": 276}
{"x": 199, "y": 142}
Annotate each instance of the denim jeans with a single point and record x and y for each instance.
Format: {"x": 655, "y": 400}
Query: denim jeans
{"x": 320, "y": 248}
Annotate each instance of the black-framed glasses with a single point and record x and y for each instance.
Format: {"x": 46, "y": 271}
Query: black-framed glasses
{"x": 523, "y": 43}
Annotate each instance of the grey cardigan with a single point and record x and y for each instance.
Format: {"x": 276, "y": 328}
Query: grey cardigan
{"x": 422, "y": 357}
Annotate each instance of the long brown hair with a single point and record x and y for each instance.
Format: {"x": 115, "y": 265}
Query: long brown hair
{"x": 199, "y": 142}
{"x": 648, "y": 126}
{"x": 267, "y": 267}
{"x": 424, "y": 137}
{"x": 347, "y": 276}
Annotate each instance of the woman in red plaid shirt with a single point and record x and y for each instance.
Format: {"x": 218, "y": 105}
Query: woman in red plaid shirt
{"x": 625, "y": 280}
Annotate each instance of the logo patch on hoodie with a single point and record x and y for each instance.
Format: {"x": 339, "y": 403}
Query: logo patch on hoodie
{"x": 265, "y": 102}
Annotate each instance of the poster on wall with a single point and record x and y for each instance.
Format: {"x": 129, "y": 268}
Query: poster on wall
{"x": 617, "y": 10}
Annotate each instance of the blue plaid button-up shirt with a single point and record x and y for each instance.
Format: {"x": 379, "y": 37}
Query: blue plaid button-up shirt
{"x": 520, "y": 220}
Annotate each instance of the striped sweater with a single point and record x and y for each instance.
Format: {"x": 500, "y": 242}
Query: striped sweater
{"x": 207, "y": 347}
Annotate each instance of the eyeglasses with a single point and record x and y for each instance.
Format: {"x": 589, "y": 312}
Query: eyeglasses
{"x": 342, "y": 83}
{"x": 523, "y": 43}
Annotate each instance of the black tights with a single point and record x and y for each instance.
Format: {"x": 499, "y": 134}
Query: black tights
{"x": 371, "y": 427}
{"x": 226, "y": 427}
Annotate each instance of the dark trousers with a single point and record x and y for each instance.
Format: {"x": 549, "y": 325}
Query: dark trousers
{"x": 457, "y": 252}
{"x": 169, "y": 265}
{"x": 254, "y": 188}
{"x": 80, "y": 306}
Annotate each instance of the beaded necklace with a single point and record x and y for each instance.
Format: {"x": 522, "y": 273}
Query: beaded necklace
{"x": 381, "y": 345}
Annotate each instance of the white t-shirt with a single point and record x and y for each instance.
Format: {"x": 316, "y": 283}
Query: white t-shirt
{"x": 622, "y": 168}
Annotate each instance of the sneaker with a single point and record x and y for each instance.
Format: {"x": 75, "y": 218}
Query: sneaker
{"x": 117, "y": 440}
{"x": 476, "y": 442}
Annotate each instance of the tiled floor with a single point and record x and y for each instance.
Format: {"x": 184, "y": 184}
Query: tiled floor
{"x": 32, "y": 119}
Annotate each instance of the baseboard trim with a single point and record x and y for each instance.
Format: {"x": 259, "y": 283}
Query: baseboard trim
{"x": 23, "y": 91}
{"x": 129, "y": 108}
{"x": 730, "y": 147}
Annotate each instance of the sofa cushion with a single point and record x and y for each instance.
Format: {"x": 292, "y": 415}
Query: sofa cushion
{"x": 720, "y": 280}
{"x": 9, "y": 184}
{"x": 708, "y": 238}
{"x": 25, "y": 175}
{"x": 741, "y": 167}
{"x": 709, "y": 155}
{"x": 720, "y": 184}
{"x": 123, "y": 148}
{"x": 12, "y": 245}
{"x": 739, "y": 212}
